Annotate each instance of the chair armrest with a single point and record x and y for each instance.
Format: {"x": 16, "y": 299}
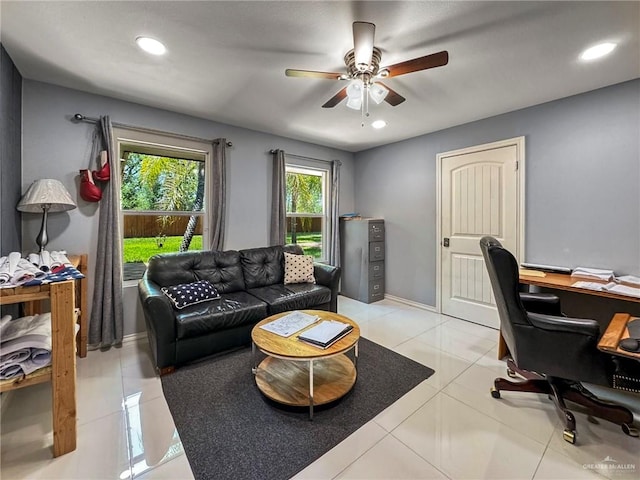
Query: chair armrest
{"x": 328, "y": 276}
{"x": 578, "y": 326}
{"x": 545, "y": 303}
{"x": 160, "y": 319}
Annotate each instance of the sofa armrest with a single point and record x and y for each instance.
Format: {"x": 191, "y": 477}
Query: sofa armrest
{"x": 328, "y": 276}
{"x": 159, "y": 317}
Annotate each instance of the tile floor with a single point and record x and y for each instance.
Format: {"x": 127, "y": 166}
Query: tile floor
{"x": 447, "y": 427}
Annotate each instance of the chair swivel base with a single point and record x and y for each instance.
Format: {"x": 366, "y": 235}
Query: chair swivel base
{"x": 560, "y": 390}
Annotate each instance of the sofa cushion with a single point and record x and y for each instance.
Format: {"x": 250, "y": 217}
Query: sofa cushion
{"x": 297, "y": 296}
{"x": 231, "y": 310}
{"x": 187, "y": 294}
{"x": 222, "y": 269}
{"x": 298, "y": 268}
{"x": 262, "y": 266}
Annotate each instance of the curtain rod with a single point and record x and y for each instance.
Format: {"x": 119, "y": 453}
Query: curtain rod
{"x": 78, "y": 117}
{"x": 273, "y": 150}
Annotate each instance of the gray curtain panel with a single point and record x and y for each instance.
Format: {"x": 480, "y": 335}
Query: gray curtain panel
{"x": 217, "y": 203}
{"x": 334, "y": 241}
{"x": 106, "y": 323}
{"x": 278, "y": 212}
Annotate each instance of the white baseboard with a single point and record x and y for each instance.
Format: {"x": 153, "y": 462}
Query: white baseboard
{"x": 134, "y": 337}
{"x": 422, "y": 306}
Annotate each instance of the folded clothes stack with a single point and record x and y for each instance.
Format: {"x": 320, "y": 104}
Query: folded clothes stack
{"x": 25, "y": 346}
{"x": 36, "y": 269}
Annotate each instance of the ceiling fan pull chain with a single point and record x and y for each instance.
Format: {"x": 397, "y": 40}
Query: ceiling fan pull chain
{"x": 365, "y": 105}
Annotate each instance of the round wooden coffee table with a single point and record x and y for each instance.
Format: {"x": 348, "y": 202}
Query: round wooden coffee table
{"x": 298, "y": 374}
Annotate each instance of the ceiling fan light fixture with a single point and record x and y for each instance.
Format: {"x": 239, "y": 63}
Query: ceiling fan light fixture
{"x": 354, "y": 90}
{"x": 354, "y": 103}
{"x": 378, "y": 92}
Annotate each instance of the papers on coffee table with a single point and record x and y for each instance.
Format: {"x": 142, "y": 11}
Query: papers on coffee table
{"x": 289, "y": 324}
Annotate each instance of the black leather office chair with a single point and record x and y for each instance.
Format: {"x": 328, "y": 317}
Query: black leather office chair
{"x": 553, "y": 353}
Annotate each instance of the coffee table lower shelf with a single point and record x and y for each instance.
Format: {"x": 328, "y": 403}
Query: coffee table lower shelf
{"x": 287, "y": 381}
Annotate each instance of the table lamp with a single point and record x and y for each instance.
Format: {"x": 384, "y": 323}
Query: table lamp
{"x": 46, "y": 195}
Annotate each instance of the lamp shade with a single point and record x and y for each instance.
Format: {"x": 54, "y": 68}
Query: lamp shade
{"x": 46, "y": 192}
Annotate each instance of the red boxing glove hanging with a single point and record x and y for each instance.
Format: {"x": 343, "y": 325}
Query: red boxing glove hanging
{"x": 88, "y": 189}
{"x": 104, "y": 173}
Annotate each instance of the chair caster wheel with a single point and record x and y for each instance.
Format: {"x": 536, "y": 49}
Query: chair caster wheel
{"x": 511, "y": 373}
{"x": 569, "y": 436}
{"x": 629, "y": 430}
{"x": 495, "y": 393}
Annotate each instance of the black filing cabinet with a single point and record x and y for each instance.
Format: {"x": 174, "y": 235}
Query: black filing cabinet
{"x": 362, "y": 259}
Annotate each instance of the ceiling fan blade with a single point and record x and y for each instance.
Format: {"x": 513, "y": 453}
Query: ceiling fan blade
{"x": 336, "y": 99}
{"x": 289, "y": 72}
{"x": 421, "y": 63}
{"x": 363, "y": 35}
{"x": 393, "y": 98}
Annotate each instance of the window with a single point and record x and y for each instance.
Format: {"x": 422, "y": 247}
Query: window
{"x": 307, "y": 207}
{"x": 162, "y": 199}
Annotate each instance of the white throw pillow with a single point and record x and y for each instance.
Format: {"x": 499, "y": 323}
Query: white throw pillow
{"x": 298, "y": 269}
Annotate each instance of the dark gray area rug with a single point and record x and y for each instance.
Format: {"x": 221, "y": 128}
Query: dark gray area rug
{"x": 231, "y": 431}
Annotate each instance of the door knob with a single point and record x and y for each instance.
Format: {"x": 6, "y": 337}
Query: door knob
{"x": 445, "y": 242}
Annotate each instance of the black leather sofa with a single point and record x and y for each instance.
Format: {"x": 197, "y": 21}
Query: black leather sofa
{"x": 251, "y": 287}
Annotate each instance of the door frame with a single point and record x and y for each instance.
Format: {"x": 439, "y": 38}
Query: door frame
{"x": 519, "y": 143}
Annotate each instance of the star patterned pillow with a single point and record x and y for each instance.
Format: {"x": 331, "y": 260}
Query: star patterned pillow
{"x": 298, "y": 268}
{"x": 187, "y": 294}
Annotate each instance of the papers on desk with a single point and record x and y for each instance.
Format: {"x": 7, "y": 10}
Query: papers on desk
{"x": 622, "y": 289}
{"x": 289, "y": 324}
{"x": 594, "y": 273}
{"x": 630, "y": 279}
{"x": 609, "y": 287}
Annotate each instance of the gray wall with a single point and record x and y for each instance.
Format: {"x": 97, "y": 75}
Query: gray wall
{"x": 582, "y": 187}
{"x": 10, "y": 160}
{"x": 57, "y": 148}
{"x": 10, "y": 153}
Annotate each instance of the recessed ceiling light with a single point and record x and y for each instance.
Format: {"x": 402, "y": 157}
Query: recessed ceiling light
{"x": 151, "y": 45}
{"x": 598, "y": 51}
{"x": 379, "y": 124}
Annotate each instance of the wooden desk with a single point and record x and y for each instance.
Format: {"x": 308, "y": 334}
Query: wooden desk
{"x": 616, "y": 331}
{"x": 62, "y": 372}
{"x": 559, "y": 281}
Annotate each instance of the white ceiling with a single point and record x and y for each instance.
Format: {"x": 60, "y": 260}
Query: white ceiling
{"x": 226, "y": 60}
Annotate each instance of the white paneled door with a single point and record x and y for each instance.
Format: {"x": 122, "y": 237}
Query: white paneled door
{"x": 480, "y": 194}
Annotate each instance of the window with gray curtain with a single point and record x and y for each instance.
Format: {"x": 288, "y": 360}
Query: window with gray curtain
{"x": 308, "y": 188}
{"x": 165, "y": 187}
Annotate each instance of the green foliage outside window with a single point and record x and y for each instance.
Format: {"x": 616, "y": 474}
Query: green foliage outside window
{"x": 152, "y": 183}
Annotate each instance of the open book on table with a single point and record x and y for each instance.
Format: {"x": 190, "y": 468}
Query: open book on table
{"x": 326, "y": 333}
{"x": 612, "y": 287}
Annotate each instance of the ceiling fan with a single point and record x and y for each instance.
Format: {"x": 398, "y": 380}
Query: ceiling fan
{"x": 364, "y": 72}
